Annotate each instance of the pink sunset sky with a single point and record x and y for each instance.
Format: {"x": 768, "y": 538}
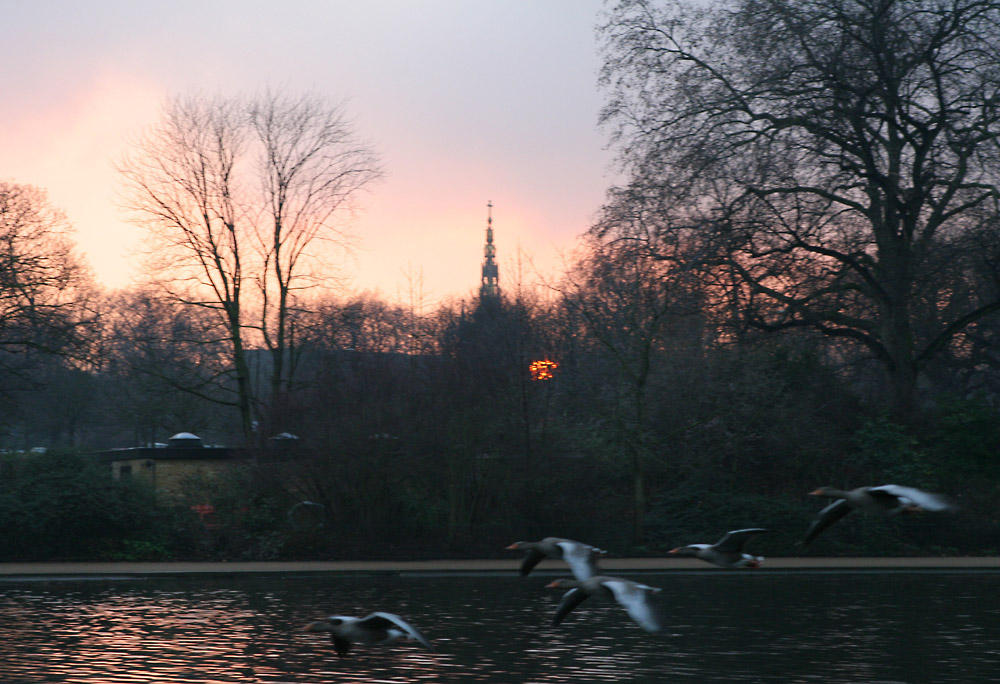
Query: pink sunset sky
{"x": 467, "y": 101}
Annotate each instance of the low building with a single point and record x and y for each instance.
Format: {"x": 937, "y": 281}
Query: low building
{"x": 166, "y": 467}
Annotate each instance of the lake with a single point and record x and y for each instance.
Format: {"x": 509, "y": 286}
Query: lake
{"x": 912, "y": 626}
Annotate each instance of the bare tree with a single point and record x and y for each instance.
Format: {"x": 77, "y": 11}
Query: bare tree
{"x": 166, "y": 377}
{"x": 829, "y": 156}
{"x": 312, "y": 167}
{"x": 624, "y": 299}
{"x": 46, "y": 291}
{"x": 236, "y": 194}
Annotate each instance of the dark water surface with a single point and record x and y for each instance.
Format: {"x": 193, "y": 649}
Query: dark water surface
{"x": 766, "y": 626}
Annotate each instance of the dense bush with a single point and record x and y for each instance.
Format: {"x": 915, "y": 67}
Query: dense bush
{"x": 64, "y": 505}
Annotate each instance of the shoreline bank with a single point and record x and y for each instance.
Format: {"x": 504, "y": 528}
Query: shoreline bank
{"x": 13, "y": 570}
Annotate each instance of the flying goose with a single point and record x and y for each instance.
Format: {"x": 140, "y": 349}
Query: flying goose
{"x": 887, "y": 499}
{"x": 582, "y": 558}
{"x": 376, "y": 628}
{"x": 632, "y": 596}
{"x": 727, "y": 552}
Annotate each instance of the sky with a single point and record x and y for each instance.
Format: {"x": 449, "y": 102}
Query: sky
{"x": 466, "y": 101}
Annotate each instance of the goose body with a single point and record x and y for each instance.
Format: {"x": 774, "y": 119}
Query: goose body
{"x": 727, "y": 552}
{"x": 632, "y": 596}
{"x": 581, "y": 558}
{"x": 376, "y": 628}
{"x": 882, "y": 500}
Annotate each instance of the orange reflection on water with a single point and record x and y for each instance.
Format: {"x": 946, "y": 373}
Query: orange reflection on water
{"x": 129, "y": 639}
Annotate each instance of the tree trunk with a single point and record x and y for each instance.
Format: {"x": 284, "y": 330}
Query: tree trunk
{"x": 243, "y": 386}
{"x": 897, "y": 329}
{"x": 903, "y": 392}
{"x": 638, "y": 499}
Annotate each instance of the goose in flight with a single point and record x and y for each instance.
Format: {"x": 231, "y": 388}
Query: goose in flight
{"x": 631, "y": 596}
{"x": 727, "y": 552}
{"x": 581, "y": 558}
{"x": 376, "y": 628}
{"x": 887, "y": 499}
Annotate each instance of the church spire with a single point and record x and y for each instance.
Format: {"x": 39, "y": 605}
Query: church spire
{"x": 490, "y": 289}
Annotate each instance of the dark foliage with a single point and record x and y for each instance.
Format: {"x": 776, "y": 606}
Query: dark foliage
{"x": 65, "y": 506}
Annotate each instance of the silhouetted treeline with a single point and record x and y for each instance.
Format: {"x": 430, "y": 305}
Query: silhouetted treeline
{"x": 428, "y": 435}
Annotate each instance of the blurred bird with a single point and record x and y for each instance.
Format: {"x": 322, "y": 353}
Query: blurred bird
{"x": 581, "y": 558}
{"x": 632, "y": 596}
{"x": 376, "y": 628}
{"x": 727, "y": 552}
{"x": 883, "y": 500}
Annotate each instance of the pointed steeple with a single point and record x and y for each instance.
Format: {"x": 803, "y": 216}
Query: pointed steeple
{"x": 490, "y": 289}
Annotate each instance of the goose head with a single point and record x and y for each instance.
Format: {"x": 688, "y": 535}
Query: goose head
{"x": 562, "y": 584}
{"x": 687, "y": 551}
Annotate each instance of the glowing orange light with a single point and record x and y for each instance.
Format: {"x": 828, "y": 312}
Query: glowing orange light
{"x": 543, "y": 370}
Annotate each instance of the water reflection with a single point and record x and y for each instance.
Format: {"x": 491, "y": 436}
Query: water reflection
{"x": 762, "y": 627}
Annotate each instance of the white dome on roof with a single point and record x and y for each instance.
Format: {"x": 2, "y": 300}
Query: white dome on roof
{"x": 185, "y": 439}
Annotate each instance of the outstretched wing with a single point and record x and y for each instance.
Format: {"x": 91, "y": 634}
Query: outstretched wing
{"x": 390, "y": 620}
{"x": 634, "y": 598}
{"x": 532, "y": 557}
{"x": 827, "y": 517}
{"x": 734, "y": 541}
{"x": 581, "y": 558}
{"x": 910, "y": 496}
{"x": 570, "y": 600}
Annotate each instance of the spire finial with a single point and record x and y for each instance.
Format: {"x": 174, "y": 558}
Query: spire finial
{"x": 490, "y": 288}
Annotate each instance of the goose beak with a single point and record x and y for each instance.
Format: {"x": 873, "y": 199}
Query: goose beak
{"x": 816, "y": 492}
{"x": 674, "y": 551}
